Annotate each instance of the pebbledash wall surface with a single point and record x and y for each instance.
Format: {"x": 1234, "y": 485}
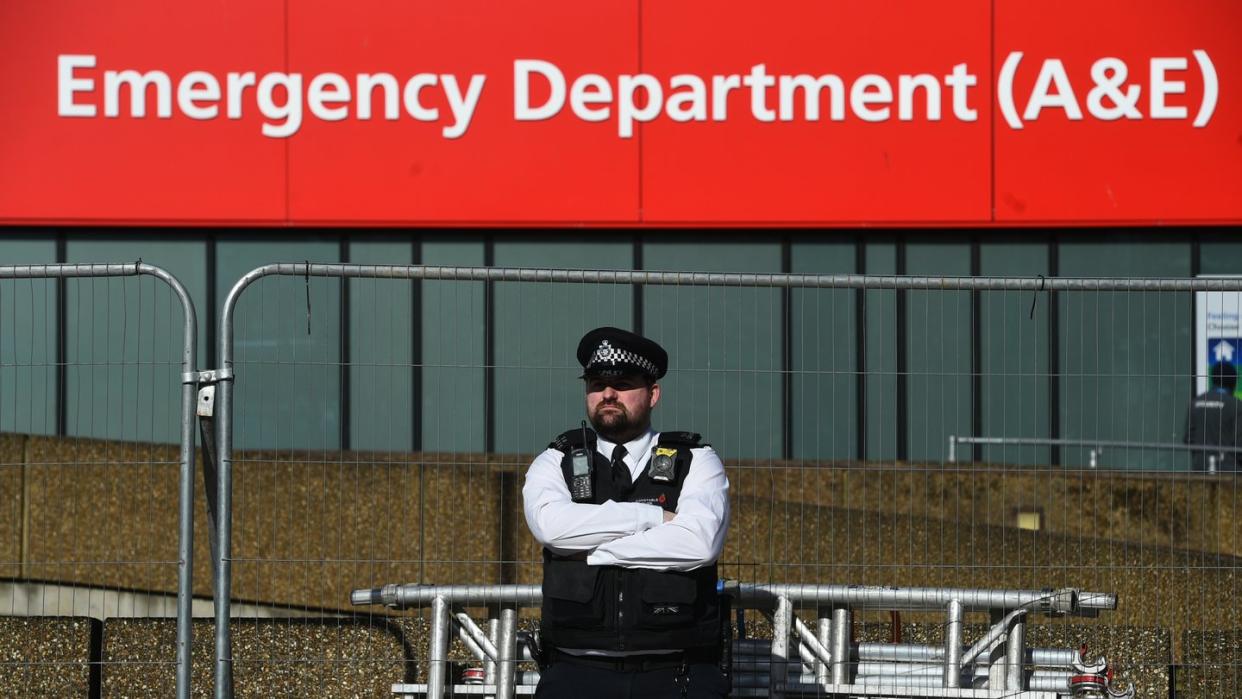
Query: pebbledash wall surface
{"x": 966, "y": 137}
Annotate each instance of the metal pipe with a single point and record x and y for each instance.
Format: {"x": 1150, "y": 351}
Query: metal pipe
{"x": 992, "y": 636}
{"x": 900, "y": 652}
{"x": 1061, "y": 674}
{"x": 417, "y": 595}
{"x": 224, "y": 498}
{"x": 185, "y": 501}
{"x": 875, "y": 669}
{"x": 916, "y": 687}
{"x": 651, "y": 278}
{"x": 782, "y": 619}
{"x": 1050, "y": 683}
{"x": 66, "y": 271}
{"x": 487, "y": 649}
{"x": 953, "y": 644}
{"x": 839, "y": 654}
{"x": 493, "y": 635}
{"x": 823, "y": 627}
{"x": 1066, "y": 600}
{"x": 506, "y": 659}
{"x": 437, "y": 650}
{"x": 904, "y": 681}
{"x": 807, "y": 659}
{"x": 952, "y": 449}
{"x": 995, "y": 653}
{"x": 818, "y": 651}
{"x": 471, "y": 645}
{"x": 1014, "y": 655}
{"x": 1053, "y": 656}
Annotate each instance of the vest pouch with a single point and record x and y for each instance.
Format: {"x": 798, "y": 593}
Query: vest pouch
{"x": 668, "y": 599}
{"x": 572, "y": 597}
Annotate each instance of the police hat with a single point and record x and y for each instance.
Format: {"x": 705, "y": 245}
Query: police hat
{"x": 616, "y": 352}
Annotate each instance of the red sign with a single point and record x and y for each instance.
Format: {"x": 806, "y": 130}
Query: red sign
{"x": 871, "y": 112}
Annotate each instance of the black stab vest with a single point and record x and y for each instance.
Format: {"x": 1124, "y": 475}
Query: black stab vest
{"x": 628, "y": 609}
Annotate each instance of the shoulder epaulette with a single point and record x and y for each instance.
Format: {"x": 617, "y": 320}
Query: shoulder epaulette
{"x": 684, "y": 439}
{"x": 569, "y": 440}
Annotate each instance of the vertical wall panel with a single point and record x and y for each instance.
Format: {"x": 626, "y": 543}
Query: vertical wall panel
{"x": 1124, "y": 355}
{"x": 824, "y": 400}
{"x": 1014, "y": 347}
{"x": 288, "y": 385}
{"x": 380, "y": 350}
{"x": 453, "y": 411}
{"x": 537, "y": 326}
{"x": 135, "y": 321}
{"x": 28, "y": 401}
{"x": 880, "y": 362}
{"x": 938, "y": 347}
{"x": 1221, "y": 255}
{"x": 724, "y": 345}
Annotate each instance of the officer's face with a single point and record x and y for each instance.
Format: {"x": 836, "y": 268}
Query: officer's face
{"x": 620, "y": 407}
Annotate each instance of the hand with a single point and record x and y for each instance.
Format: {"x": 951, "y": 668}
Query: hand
{"x": 668, "y": 516}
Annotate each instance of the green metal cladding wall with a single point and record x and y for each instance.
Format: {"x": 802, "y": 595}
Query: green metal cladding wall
{"x": 804, "y": 367}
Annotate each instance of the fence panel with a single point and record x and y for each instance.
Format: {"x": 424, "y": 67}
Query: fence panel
{"x": 916, "y": 432}
{"x": 96, "y": 478}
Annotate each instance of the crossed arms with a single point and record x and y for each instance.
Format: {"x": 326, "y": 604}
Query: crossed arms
{"x": 630, "y": 534}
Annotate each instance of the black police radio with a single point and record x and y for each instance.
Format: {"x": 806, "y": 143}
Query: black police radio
{"x": 582, "y": 490}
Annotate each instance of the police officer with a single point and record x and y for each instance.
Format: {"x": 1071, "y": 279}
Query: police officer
{"x": 1214, "y": 419}
{"x": 632, "y": 522}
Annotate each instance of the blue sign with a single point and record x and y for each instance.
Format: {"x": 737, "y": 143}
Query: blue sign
{"x": 1225, "y": 350}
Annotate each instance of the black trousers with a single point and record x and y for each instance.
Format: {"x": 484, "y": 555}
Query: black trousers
{"x": 567, "y": 679}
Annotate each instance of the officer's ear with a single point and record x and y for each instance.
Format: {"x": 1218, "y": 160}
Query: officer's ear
{"x": 655, "y": 395}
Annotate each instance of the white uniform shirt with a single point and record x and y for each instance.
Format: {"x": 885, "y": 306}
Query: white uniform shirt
{"x": 630, "y": 534}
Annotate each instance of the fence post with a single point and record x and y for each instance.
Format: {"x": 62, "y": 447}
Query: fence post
{"x": 506, "y": 653}
{"x": 1016, "y": 655}
{"x": 842, "y": 618}
{"x": 953, "y": 644}
{"x": 437, "y": 651}
{"x": 185, "y": 516}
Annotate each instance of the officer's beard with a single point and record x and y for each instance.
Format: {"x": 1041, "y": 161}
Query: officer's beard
{"x": 619, "y": 426}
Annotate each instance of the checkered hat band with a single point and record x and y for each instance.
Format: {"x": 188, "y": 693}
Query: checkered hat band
{"x": 607, "y": 354}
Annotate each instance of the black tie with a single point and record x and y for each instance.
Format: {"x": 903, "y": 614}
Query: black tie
{"x": 621, "y": 481}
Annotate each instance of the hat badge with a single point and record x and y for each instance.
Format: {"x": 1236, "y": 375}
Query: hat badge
{"x": 604, "y": 353}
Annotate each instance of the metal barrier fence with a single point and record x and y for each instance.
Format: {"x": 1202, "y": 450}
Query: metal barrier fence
{"x": 96, "y": 377}
{"x": 373, "y": 424}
